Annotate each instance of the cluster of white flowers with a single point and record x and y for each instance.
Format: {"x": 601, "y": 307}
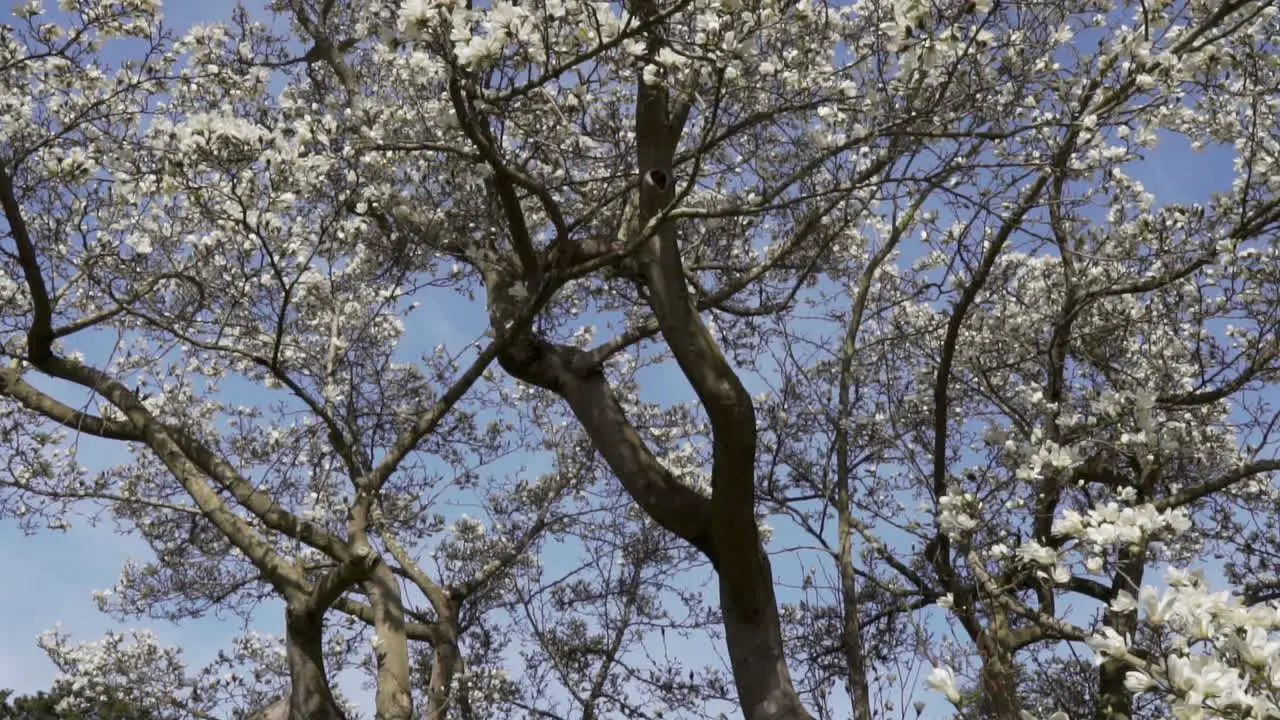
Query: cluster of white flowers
{"x": 1048, "y": 454}
{"x": 467, "y": 528}
{"x": 488, "y": 686}
{"x": 1049, "y": 564}
{"x": 687, "y": 462}
{"x": 133, "y": 662}
{"x": 1112, "y": 524}
{"x": 415, "y": 15}
{"x": 1224, "y": 660}
{"x": 957, "y": 514}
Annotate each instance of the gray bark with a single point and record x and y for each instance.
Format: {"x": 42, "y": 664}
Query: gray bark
{"x": 309, "y": 695}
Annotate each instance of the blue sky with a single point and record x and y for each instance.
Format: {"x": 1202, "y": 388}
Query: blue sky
{"x": 64, "y": 568}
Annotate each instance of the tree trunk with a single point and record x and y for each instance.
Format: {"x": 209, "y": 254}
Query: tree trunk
{"x": 752, "y": 629}
{"x": 754, "y": 638}
{"x": 309, "y": 696}
{"x": 723, "y": 527}
{"x": 1115, "y": 702}
{"x": 392, "y": 698}
{"x": 851, "y": 642}
{"x": 999, "y": 687}
{"x": 851, "y": 630}
{"x": 445, "y": 660}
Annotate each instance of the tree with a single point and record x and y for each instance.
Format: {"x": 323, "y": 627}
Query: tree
{"x": 929, "y": 319}
{"x": 44, "y": 706}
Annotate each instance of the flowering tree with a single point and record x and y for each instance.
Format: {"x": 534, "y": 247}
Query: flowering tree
{"x": 934, "y": 326}
{"x": 1068, "y": 374}
{"x": 44, "y": 706}
{"x": 124, "y": 189}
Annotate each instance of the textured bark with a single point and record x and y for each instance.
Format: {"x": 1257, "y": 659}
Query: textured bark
{"x": 392, "y": 699}
{"x": 851, "y": 640}
{"x": 444, "y": 666}
{"x": 309, "y": 696}
{"x": 756, "y": 654}
{"x": 445, "y": 663}
{"x": 998, "y": 684}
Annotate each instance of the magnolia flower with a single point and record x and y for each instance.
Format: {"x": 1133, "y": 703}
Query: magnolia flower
{"x": 1071, "y": 524}
{"x": 942, "y": 680}
{"x": 1136, "y": 682}
{"x": 1202, "y": 677}
{"x": 1061, "y": 574}
{"x": 1123, "y": 602}
{"x": 953, "y": 519}
{"x": 1156, "y": 608}
{"x": 1037, "y": 553}
{"x": 1201, "y": 626}
{"x": 1256, "y": 648}
{"x": 413, "y": 15}
{"x": 1108, "y": 642}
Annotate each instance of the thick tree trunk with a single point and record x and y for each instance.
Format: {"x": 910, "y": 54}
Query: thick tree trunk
{"x": 754, "y": 638}
{"x": 392, "y": 698}
{"x": 445, "y": 661}
{"x": 999, "y": 688}
{"x": 1115, "y": 702}
{"x": 309, "y": 696}
{"x": 752, "y": 628}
